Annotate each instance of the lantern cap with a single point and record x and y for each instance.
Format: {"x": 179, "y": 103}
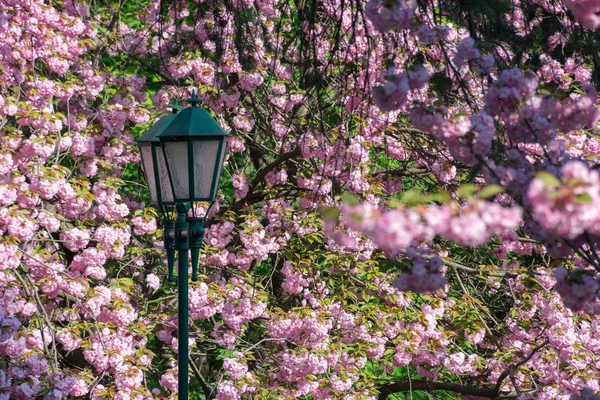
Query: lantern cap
{"x": 190, "y": 122}
{"x": 194, "y": 101}
{"x": 174, "y": 106}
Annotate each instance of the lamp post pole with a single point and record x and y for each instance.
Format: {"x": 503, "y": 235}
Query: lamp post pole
{"x": 183, "y": 235}
{"x": 182, "y": 246}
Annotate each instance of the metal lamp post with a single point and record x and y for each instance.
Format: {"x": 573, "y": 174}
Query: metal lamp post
{"x": 182, "y": 157}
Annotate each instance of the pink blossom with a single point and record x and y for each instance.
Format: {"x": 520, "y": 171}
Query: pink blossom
{"x": 241, "y": 186}
{"x": 251, "y": 81}
{"x": 566, "y": 207}
{"x": 424, "y": 276}
{"x": 227, "y": 390}
{"x": 578, "y": 292}
{"x": 511, "y": 89}
{"x": 142, "y": 225}
{"x": 235, "y": 368}
{"x": 386, "y": 15}
{"x": 8, "y": 325}
{"x": 444, "y": 171}
{"x": 585, "y": 11}
{"x": 69, "y": 341}
{"x": 75, "y": 239}
{"x": 153, "y": 282}
{"x": 169, "y": 381}
{"x": 394, "y": 93}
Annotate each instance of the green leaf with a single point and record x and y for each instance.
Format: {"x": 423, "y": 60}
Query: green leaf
{"x": 583, "y": 198}
{"x": 329, "y": 212}
{"x": 125, "y": 282}
{"x": 263, "y": 269}
{"x": 467, "y": 190}
{"x": 441, "y": 197}
{"x": 490, "y": 191}
{"x": 349, "y": 198}
{"x": 413, "y": 197}
{"x": 549, "y": 179}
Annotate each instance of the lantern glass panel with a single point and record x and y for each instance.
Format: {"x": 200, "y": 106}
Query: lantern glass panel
{"x": 177, "y": 159}
{"x": 205, "y": 157}
{"x": 148, "y": 167}
{"x": 166, "y": 193}
{"x": 219, "y": 167}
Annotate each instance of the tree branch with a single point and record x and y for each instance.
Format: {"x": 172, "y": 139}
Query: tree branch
{"x": 252, "y": 196}
{"x": 205, "y": 387}
{"x": 260, "y": 175}
{"x": 513, "y": 367}
{"x": 486, "y": 392}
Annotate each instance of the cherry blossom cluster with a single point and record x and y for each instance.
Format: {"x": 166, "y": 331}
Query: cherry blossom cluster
{"x": 577, "y": 289}
{"x": 586, "y": 394}
{"x": 566, "y": 207}
{"x": 472, "y": 224}
{"x": 423, "y": 276}
{"x": 294, "y": 282}
{"x": 394, "y": 93}
{"x": 506, "y": 94}
{"x": 586, "y": 12}
{"x": 468, "y": 139}
{"x": 466, "y": 51}
{"x": 386, "y": 15}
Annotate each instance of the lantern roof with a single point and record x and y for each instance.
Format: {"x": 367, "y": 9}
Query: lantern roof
{"x": 192, "y": 121}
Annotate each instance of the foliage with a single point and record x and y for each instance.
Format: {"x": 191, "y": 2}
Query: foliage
{"x": 409, "y": 207}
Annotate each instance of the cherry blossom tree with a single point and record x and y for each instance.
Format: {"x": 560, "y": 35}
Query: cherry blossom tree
{"x": 410, "y": 205}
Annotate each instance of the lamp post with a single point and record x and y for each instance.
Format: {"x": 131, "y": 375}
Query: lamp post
{"x": 182, "y": 157}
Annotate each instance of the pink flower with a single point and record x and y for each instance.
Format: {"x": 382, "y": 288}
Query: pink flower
{"x": 153, "y": 282}
{"x": 36, "y": 364}
{"x": 475, "y": 337}
{"x": 386, "y": 15}
{"x": 577, "y": 289}
{"x": 241, "y": 185}
{"x": 236, "y": 145}
{"x": 234, "y": 367}
{"x": 169, "y": 381}
{"x": 570, "y": 206}
{"x": 294, "y": 282}
{"x": 251, "y": 81}
{"x": 8, "y": 325}
{"x": 394, "y": 94}
{"x": 444, "y": 171}
{"x": 226, "y": 390}
{"x": 142, "y": 225}
{"x": 49, "y": 222}
{"x": 277, "y": 177}
{"x": 512, "y": 88}
{"x": 585, "y": 394}
{"x": 75, "y": 239}
{"x": 6, "y": 163}
{"x": 424, "y": 276}
{"x": 585, "y": 11}
{"x": 68, "y": 340}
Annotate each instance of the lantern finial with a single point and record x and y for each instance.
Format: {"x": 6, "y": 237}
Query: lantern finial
{"x": 175, "y": 107}
{"x": 194, "y": 101}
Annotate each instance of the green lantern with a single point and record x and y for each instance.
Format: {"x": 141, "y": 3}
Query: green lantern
{"x": 194, "y": 148}
{"x": 182, "y": 157}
